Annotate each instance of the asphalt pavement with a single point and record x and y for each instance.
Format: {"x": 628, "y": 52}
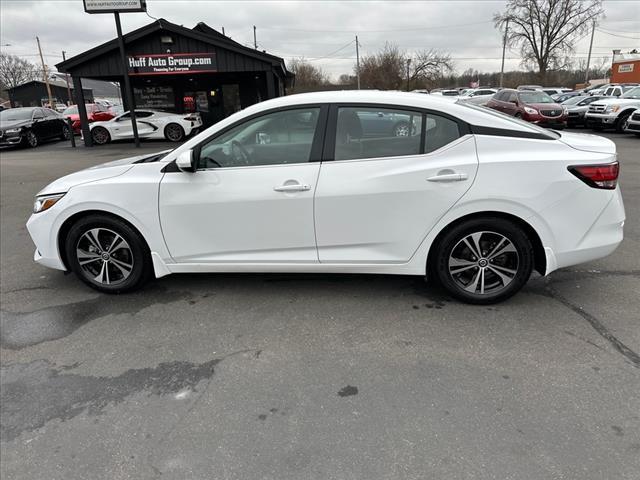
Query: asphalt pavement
{"x": 219, "y": 376}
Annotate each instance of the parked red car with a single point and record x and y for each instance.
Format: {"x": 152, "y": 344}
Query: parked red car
{"x": 95, "y": 113}
{"x": 530, "y": 105}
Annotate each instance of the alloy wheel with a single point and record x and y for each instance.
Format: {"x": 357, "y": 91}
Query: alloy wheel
{"x": 104, "y": 256}
{"x": 32, "y": 139}
{"x": 483, "y": 263}
{"x": 100, "y": 136}
{"x": 174, "y": 132}
{"x": 402, "y": 130}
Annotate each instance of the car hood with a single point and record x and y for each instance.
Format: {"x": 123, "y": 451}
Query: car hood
{"x": 14, "y": 124}
{"x": 617, "y": 101}
{"x": 545, "y": 106}
{"x": 588, "y": 143}
{"x": 95, "y": 173}
{"x": 578, "y": 108}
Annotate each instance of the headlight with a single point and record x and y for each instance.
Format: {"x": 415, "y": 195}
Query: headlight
{"x": 612, "y": 108}
{"x": 531, "y": 111}
{"x": 13, "y": 130}
{"x": 45, "y": 202}
{"x": 565, "y": 110}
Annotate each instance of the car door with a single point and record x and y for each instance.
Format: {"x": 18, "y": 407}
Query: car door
{"x": 39, "y": 124}
{"x": 54, "y": 122}
{"x": 379, "y": 196}
{"x": 122, "y": 127}
{"x": 511, "y": 104}
{"x": 251, "y": 198}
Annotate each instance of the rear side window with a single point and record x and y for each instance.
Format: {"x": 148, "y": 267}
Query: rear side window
{"x": 364, "y": 132}
{"x": 439, "y": 132}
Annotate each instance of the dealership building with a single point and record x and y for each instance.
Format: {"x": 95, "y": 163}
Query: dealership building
{"x": 183, "y": 70}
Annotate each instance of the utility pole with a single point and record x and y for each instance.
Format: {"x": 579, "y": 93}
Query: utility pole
{"x": 66, "y": 75}
{"x": 45, "y": 75}
{"x": 586, "y": 75}
{"x": 357, "y": 62}
{"x": 504, "y": 48}
{"x": 408, "y": 65}
{"x": 223, "y": 32}
{"x": 255, "y": 41}
{"x": 127, "y": 83}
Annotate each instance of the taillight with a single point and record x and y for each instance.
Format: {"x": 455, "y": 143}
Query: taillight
{"x": 598, "y": 176}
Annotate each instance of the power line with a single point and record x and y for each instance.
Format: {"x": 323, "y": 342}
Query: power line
{"x": 376, "y": 31}
{"x": 335, "y": 51}
{"x": 616, "y": 35}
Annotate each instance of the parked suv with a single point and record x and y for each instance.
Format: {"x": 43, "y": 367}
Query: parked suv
{"x": 532, "y": 106}
{"x": 613, "y": 112}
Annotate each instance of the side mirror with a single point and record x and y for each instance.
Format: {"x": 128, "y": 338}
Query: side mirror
{"x": 185, "y": 161}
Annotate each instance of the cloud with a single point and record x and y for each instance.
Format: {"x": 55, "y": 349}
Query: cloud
{"x": 310, "y": 29}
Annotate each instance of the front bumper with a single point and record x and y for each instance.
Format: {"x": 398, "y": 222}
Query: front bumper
{"x": 10, "y": 139}
{"x": 40, "y": 229}
{"x": 541, "y": 120}
{"x": 601, "y": 119}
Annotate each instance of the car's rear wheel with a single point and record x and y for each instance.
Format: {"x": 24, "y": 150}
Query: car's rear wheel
{"x": 174, "y": 132}
{"x": 31, "y": 139}
{"x": 107, "y": 254}
{"x": 66, "y": 133}
{"x": 484, "y": 260}
{"x": 100, "y": 135}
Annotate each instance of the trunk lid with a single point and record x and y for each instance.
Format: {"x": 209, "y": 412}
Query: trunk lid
{"x": 588, "y": 143}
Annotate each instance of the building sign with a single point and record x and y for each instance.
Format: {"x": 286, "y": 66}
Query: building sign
{"x": 172, "y": 63}
{"x": 111, "y": 6}
{"x": 155, "y": 97}
{"x": 625, "y": 68}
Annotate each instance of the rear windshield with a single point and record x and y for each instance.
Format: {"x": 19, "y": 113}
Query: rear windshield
{"x": 553, "y": 135}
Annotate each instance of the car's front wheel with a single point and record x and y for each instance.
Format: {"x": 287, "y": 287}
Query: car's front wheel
{"x": 107, "y": 254}
{"x": 622, "y": 122}
{"x": 484, "y": 260}
{"x": 31, "y": 139}
{"x": 100, "y": 135}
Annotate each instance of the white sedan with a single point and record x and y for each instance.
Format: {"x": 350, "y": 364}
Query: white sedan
{"x": 174, "y": 127}
{"x": 318, "y": 182}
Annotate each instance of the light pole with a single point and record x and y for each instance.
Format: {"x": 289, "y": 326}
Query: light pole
{"x": 408, "y": 66}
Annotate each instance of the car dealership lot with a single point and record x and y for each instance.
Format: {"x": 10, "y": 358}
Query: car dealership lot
{"x": 313, "y": 376}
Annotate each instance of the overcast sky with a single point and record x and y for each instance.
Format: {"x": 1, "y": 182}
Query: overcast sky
{"x": 315, "y": 30}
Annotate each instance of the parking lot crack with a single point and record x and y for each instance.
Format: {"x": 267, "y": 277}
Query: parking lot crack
{"x": 597, "y": 325}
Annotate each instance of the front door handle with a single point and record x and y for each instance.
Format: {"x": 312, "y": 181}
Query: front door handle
{"x": 448, "y": 177}
{"x": 295, "y": 187}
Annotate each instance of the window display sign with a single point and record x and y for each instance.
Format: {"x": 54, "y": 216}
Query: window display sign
{"x": 172, "y": 63}
{"x": 155, "y": 97}
{"x": 112, "y": 6}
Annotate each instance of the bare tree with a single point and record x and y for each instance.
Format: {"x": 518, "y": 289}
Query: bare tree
{"x": 15, "y": 71}
{"x": 383, "y": 70}
{"x": 428, "y": 65}
{"x": 308, "y": 76}
{"x": 546, "y": 30}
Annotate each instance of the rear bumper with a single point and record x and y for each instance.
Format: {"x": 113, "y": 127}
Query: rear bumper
{"x": 601, "y": 239}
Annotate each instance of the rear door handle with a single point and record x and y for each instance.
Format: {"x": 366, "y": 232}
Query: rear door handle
{"x": 448, "y": 177}
{"x": 296, "y": 187}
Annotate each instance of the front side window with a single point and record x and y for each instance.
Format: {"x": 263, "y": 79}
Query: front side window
{"x": 364, "y": 132}
{"x": 283, "y": 137}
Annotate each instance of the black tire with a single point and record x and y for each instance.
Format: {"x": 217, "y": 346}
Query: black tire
{"x": 66, "y": 133}
{"x": 31, "y": 139}
{"x": 174, "y": 132}
{"x": 518, "y": 115}
{"x": 82, "y": 237}
{"x": 452, "y": 245}
{"x": 621, "y": 123}
{"x": 100, "y": 135}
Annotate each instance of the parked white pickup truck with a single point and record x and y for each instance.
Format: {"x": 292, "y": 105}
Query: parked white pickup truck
{"x": 613, "y": 112}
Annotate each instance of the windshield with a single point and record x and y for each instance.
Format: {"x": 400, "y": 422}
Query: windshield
{"x": 634, "y": 93}
{"x": 14, "y": 114}
{"x": 535, "y": 97}
{"x": 573, "y": 100}
{"x": 530, "y": 126}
